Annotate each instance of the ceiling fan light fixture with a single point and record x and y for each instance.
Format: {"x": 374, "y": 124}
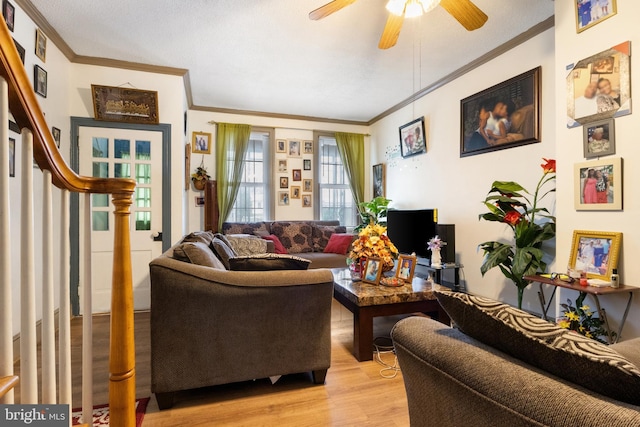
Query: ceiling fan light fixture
{"x": 413, "y": 9}
{"x": 396, "y": 7}
{"x": 429, "y": 5}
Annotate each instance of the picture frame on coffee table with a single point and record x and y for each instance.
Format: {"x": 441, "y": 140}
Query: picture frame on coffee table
{"x": 372, "y": 271}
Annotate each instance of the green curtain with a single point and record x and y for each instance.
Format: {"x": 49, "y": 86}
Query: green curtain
{"x": 351, "y": 149}
{"x": 232, "y": 141}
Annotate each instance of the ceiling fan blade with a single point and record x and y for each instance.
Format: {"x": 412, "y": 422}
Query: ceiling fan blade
{"x": 391, "y": 31}
{"x": 329, "y": 8}
{"x": 467, "y": 13}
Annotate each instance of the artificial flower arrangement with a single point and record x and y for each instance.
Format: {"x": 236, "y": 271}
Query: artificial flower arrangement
{"x": 435, "y": 243}
{"x": 580, "y": 319}
{"x": 373, "y": 242}
{"x": 509, "y": 203}
{"x": 200, "y": 177}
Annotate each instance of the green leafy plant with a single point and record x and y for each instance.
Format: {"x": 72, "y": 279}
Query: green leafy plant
{"x": 510, "y": 203}
{"x": 373, "y": 212}
{"x": 580, "y": 319}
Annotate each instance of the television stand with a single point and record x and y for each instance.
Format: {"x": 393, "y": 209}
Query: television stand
{"x": 423, "y": 268}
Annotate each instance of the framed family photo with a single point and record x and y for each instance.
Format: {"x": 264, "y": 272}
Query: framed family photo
{"x": 284, "y": 182}
{"x": 306, "y": 200}
{"x": 306, "y": 164}
{"x": 599, "y": 139}
{"x": 595, "y": 252}
{"x": 282, "y": 165}
{"x": 9, "y": 13}
{"x": 56, "y": 136}
{"x": 503, "y": 116}
{"x": 295, "y": 192}
{"x": 598, "y": 185}
{"x": 201, "y": 142}
{"x": 281, "y": 146}
{"x": 307, "y": 185}
{"x": 599, "y": 87}
{"x": 412, "y": 138}
{"x": 283, "y": 198}
{"x": 294, "y": 148}
{"x": 406, "y": 267}
{"x": 592, "y": 12}
{"x": 372, "y": 271}
{"x": 41, "y": 45}
{"x": 297, "y": 175}
{"x": 40, "y": 81}
{"x": 20, "y": 49}
{"x": 308, "y": 147}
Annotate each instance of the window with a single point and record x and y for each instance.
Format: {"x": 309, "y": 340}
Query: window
{"x": 335, "y": 199}
{"x": 252, "y": 202}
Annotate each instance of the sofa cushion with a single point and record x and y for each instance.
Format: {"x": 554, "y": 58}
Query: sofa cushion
{"x": 322, "y": 234}
{"x": 339, "y": 243}
{"x": 296, "y": 236}
{"x": 266, "y": 262}
{"x": 244, "y": 227}
{"x": 199, "y": 236}
{"x": 245, "y": 244}
{"x": 197, "y": 253}
{"x": 277, "y": 244}
{"x": 223, "y": 251}
{"x": 537, "y": 342}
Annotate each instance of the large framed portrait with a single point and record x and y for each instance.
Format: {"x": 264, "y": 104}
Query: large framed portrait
{"x": 503, "y": 116}
{"x": 599, "y": 138}
{"x": 595, "y": 252}
{"x": 592, "y": 12}
{"x": 412, "y": 138}
{"x": 598, "y": 185}
{"x": 119, "y": 104}
{"x": 599, "y": 87}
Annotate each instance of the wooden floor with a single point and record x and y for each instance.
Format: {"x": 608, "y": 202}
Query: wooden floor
{"x": 355, "y": 394}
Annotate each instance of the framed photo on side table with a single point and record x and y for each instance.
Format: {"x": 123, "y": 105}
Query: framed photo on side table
{"x": 372, "y": 271}
{"x": 595, "y": 252}
{"x": 599, "y": 139}
{"x": 598, "y": 185}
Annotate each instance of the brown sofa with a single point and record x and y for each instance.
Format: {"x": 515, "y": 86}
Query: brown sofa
{"x": 213, "y": 326}
{"x": 454, "y": 380}
{"x": 306, "y": 239}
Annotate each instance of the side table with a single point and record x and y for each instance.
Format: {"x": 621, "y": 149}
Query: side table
{"x": 423, "y": 269}
{"x": 595, "y": 292}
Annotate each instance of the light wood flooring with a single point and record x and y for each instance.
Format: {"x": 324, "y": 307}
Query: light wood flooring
{"x": 355, "y": 394}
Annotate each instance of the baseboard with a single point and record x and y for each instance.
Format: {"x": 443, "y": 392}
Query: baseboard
{"x": 16, "y": 338}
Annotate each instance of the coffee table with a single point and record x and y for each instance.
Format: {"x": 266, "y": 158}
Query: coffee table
{"x": 367, "y": 301}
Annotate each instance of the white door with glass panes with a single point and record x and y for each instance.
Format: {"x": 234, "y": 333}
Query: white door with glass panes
{"x": 121, "y": 153}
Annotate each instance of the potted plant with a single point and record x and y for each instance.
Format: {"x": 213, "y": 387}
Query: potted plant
{"x": 200, "y": 178}
{"x": 510, "y": 204}
{"x": 373, "y": 212}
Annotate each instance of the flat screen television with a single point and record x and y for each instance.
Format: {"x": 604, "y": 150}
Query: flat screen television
{"x": 410, "y": 230}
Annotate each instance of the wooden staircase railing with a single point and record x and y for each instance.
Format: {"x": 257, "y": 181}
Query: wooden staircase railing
{"x": 7, "y": 384}
{"x": 24, "y": 107}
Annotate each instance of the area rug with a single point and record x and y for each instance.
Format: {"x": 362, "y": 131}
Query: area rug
{"x": 101, "y": 414}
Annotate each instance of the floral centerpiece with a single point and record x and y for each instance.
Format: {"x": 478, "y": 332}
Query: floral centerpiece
{"x": 200, "y": 177}
{"x": 511, "y": 204}
{"x": 580, "y": 319}
{"x": 373, "y": 242}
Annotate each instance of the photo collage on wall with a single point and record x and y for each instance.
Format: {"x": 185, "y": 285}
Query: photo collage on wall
{"x": 294, "y": 171}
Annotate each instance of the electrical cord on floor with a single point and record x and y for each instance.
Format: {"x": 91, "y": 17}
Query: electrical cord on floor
{"x": 384, "y": 345}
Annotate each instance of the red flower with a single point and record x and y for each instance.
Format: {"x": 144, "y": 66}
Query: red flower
{"x": 512, "y": 217}
{"x": 549, "y": 166}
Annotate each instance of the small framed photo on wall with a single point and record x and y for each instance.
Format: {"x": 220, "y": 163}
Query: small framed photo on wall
{"x": 201, "y": 143}
{"x": 308, "y": 147}
{"x": 592, "y": 12}
{"x": 284, "y": 182}
{"x": 283, "y": 198}
{"x": 598, "y": 185}
{"x": 307, "y": 164}
{"x": 41, "y": 45}
{"x": 599, "y": 139}
{"x": 294, "y": 148}
{"x": 307, "y": 185}
{"x": 378, "y": 180}
{"x": 9, "y": 13}
{"x": 412, "y": 138}
{"x": 281, "y": 146}
{"x": 56, "y": 136}
{"x": 306, "y": 200}
{"x": 297, "y": 175}
{"x": 40, "y": 81}
{"x": 295, "y": 192}
{"x": 282, "y": 165}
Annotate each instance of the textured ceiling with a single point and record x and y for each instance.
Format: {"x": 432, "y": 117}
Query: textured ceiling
{"x": 267, "y": 56}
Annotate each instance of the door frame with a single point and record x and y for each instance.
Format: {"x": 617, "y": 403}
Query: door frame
{"x": 74, "y": 232}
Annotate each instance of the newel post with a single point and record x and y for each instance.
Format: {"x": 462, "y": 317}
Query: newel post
{"x": 122, "y": 374}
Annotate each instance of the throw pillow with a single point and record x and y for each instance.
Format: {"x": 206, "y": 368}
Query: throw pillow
{"x": 244, "y": 227}
{"x": 223, "y": 251}
{"x": 296, "y": 236}
{"x": 199, "y": 236}
{"x": 537, "y": 342}
{"x": 244, "y": 244}
{"x": 339, "y": 243}
{"x": 280, "y": 249}
{"x": 266, "y": 262}
{"x": 322, "y": 234}
{"x": 197, "y": 253}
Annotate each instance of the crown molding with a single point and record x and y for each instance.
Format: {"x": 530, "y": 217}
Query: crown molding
{"x": 489, "y": 56}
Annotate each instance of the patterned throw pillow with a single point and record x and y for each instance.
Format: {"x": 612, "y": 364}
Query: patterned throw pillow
{"x": 247, "y": 245}
{"x": 296, "y": 236}
{"x": 537, "y": 342}
{"x": 245, "y": 228}
{"x": 267, "y": 262}
{"x": 322, "y": 234}
{"x": 223, "y": 251}
{"x": 199, "y": 236}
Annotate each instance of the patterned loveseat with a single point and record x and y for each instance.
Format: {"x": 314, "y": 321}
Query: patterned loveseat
{"x": 305, "y": 239}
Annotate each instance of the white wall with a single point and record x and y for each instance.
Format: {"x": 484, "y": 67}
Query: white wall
{"x": 570, "y": 48}
{"x": 457, "y": 186}
{"x": 284, "y": 129}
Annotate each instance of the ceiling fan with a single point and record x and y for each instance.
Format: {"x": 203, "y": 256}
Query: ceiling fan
{"x": 464, "y": 11}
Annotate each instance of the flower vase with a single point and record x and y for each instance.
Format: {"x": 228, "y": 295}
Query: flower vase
{"x": 436, "y": 258}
